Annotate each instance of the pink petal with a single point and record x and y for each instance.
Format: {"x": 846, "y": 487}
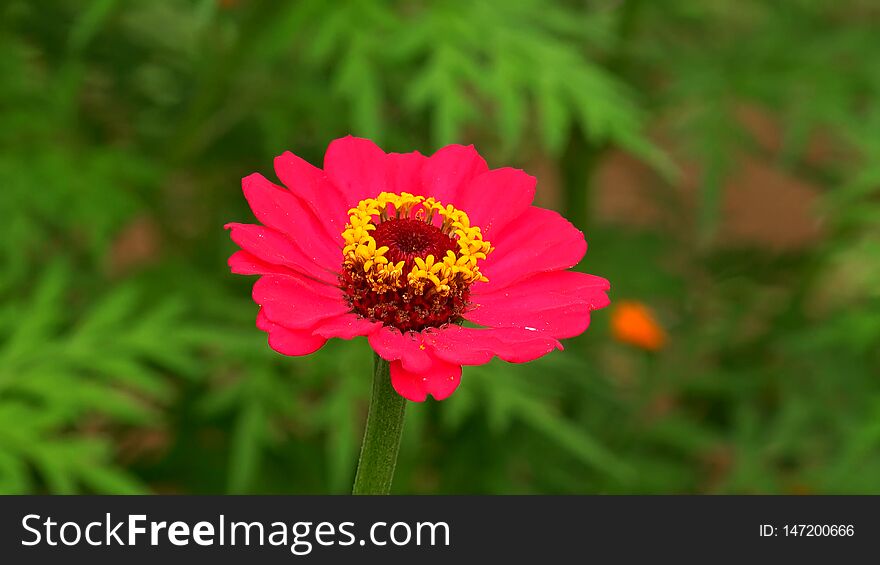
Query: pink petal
{"x": 288, "y": 341}
{"x": 439, "y": 380}
{"x": 312, "y": 186}
{"x": 280, "y": 210}
{"x": 408, "y": 348}
{"x": 404, "y": 172}
{"x": 272, "y": 247}
{"x": 538, "y": 241}
{"x": 243, "y": 263}
{"x": 449, "y": 171}
{"x": 346, "y": 326}
{"x": 496, "y": 197}
{"x": 558, "y": 303}
{"x": 476, "y": 346}
{"x": 357, "y": 167}
{"x": 297, "y": 302}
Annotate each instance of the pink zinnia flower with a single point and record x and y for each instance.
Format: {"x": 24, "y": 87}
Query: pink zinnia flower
{"x": 402, "y": 249}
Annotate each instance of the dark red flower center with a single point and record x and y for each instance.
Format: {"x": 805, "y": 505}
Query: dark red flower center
{"x": 409, "y": 261}
{"x": 408, "y": 238}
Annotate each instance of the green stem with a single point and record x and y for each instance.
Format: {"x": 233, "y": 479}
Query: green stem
{"x": 382, "y": 437}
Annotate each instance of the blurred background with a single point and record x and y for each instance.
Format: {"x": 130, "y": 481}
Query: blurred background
{"x": 722, "y": 157}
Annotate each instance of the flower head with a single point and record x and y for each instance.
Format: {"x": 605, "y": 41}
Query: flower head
{"x": 633, "y": 323}
{"x": 403, "y": 249}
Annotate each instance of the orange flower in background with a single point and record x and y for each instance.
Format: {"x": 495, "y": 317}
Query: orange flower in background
{"x": 633, "y": 323}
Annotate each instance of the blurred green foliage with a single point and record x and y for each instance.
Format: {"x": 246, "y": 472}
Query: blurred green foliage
{"x": 128, "y": 357}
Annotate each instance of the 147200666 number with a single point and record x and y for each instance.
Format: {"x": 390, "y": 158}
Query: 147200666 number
{"x": 819, "y": 530}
